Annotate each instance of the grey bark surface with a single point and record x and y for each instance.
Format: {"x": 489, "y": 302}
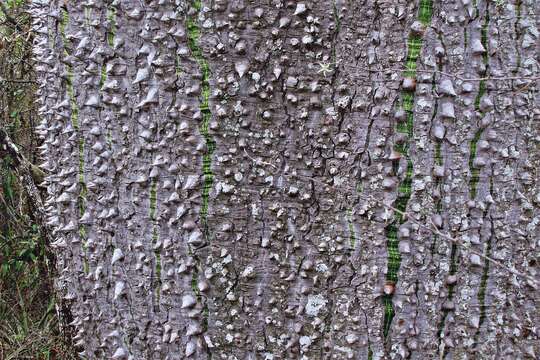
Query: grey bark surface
{"x": 225, "y": 177}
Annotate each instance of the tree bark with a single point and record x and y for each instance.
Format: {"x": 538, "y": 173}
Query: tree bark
{"x": 247, "y": 179}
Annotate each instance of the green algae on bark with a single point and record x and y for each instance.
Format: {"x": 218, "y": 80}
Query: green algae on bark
{"x": 155, "y": 239}
{"x": 74, "y": 118}
{"x": 193, "y": 42}
{"x": 414, "y": 47}
{"x": 208, "y": 176}
{"x": 475, "y": 172}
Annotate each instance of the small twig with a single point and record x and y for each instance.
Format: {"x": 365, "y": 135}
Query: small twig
{"x": 433, "y": 229}
{"x": 503, "y": 78}
{"x": 258, "y": 162}
{"x": 16, "y": 81}
{"x": 436, "y": 231}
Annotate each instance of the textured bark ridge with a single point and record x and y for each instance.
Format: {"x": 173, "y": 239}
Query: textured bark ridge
{"x": 236, "y": 179}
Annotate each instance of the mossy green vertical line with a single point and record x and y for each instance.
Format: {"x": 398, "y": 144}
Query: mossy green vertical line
{"x": 475, "y": 172}
{"x": 438, "y": 161}
{"x": 338, "y": 25}
{"x": 414, "y": 47}
{"x": 177, "y": 65}
{"x": 194, "y": 34}
{"x": 451, "y": 290}
{"x": 517, "y": 32}
{"x": 473, "y": 182}
{"x": 193, "y": 42}
{"x": 74, "y": 119}
{"x": 111, "y": 33}
{"x": 155, "y": 238}
{"x": 111, "y": 18}
{"x": 87, "y": 15}
{"x": 103, "y": 76}
{"x": 485, "y": 272}
{"x": 352, "y": 236}
{"x": 425, "y": 11}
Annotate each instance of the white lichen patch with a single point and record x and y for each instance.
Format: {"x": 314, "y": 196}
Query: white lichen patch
{"x": 418, "y": 185}
{"x": 322, "y": 268}
{"x": 345, "y": 350}
{"x": 248, "y": 272}
{"x": 315, "y": 304}
{"x": 305, "y": 342}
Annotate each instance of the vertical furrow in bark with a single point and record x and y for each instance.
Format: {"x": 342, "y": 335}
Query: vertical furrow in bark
{"x": 494, "y": 29}
{"x": 235, "y": 218}
{"x": 450, "y": 131}
{"x": 467, "y": 313}
{"x": 109, "y": 279}
{"x": 526, "y": 108}
{"x": 85, "y": 103}
{"x": 248, "y": 245}
{"x": 136, "y": 289}
{"x": 505, "y": 300}
{"x": 106, "y": 270}
{"x": 380, "y": 45}
{"x": 132, "y": 284}
{"x": 479, "y": 47}
{"x": 430, "y": 287}
{"x": 346, "y": 332}
{"x": 172, "y": 180}
{"x": 74, "y": 147}
{"x": 170, "y": 67}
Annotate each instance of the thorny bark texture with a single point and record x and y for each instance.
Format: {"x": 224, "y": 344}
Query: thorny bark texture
{"x": 218, "y": 172}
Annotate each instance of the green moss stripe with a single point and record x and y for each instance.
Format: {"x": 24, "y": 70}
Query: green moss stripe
{"x": 111, "y": 17}
{"x": 74, "y": 118}
{"x": 425, "y": 11}
{"x": 485, "y": 272}
{"x": 473, "y": 184}
{"x": 155, "y": 237}
{"x": 483, "y": 285}
{"x": 352, "y": 236}
{"x": 103, "y": 76}
{"x": 87, "y": 15}
{"x": 208, "y": 176}
{"x": 451, "y": 290}
{"x": 193, "y": 42}
{"x": 153, "y": 199}
{"x": 475, "y": 173}
{"x": 438, "y": 154}
{"x": 414, "y": 48}
{"x": 414, "y": 45}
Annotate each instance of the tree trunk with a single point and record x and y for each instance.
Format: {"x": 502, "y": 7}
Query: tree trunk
{"x": 235, "y": 179}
